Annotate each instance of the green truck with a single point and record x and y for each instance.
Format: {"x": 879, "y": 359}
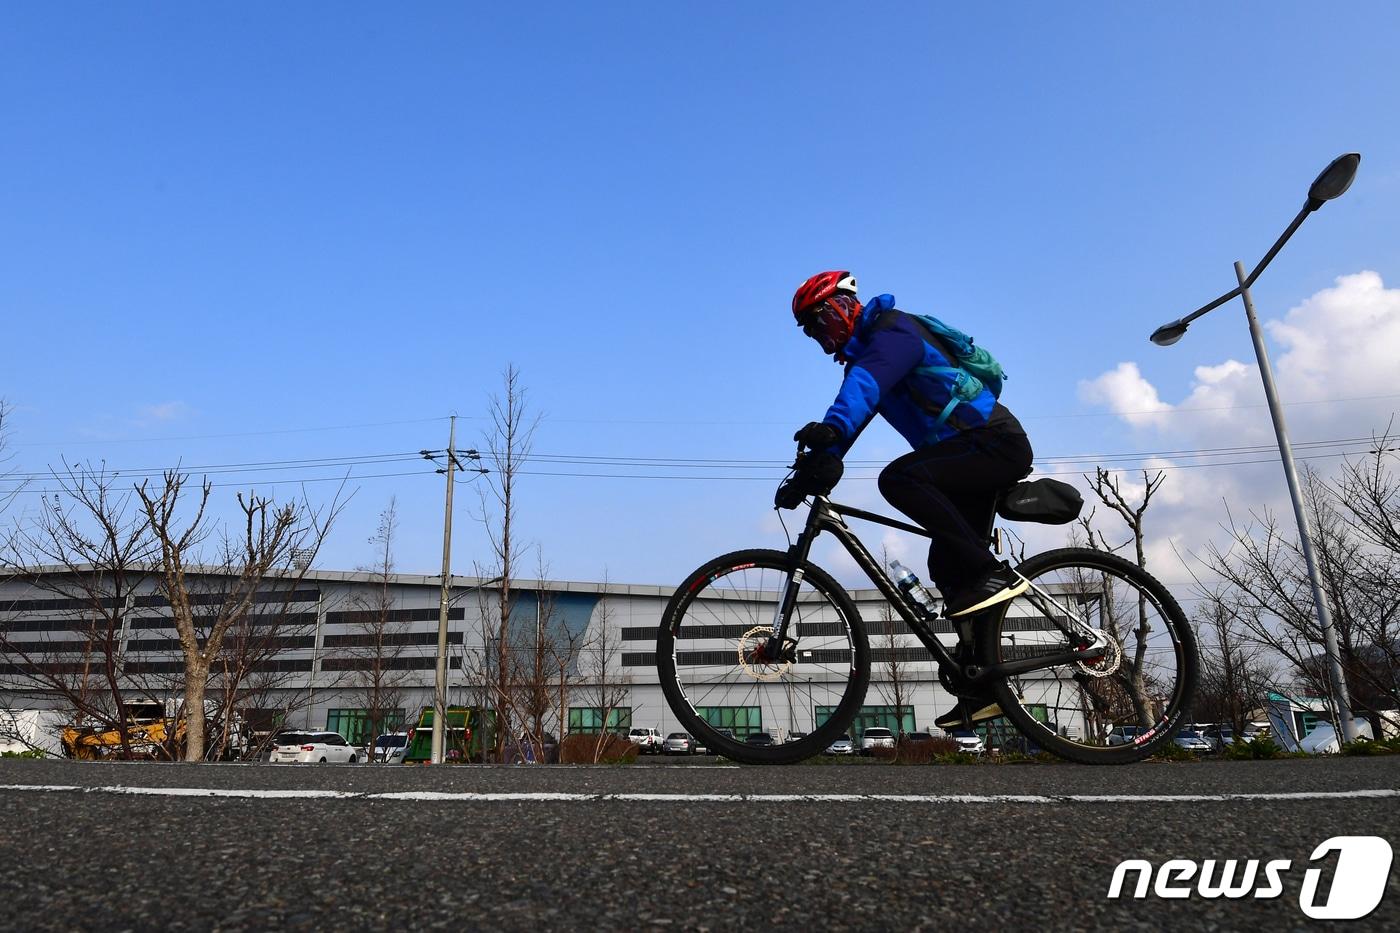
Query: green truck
{"x": 467, "y": 728}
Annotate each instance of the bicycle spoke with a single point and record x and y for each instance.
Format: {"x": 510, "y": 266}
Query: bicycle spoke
{"x": 714, "y": 664}
{"x": 1126, "y": 701}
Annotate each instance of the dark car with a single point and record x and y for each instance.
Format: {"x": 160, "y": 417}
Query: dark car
{"x": 760, "y": 739}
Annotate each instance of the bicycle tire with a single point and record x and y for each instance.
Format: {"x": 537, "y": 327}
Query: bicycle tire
{"x": 1116, "y": 688}
{"x": 746, "y": 586}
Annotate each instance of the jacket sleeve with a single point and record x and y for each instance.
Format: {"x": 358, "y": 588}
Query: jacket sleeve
{"x": 889, "y": 356}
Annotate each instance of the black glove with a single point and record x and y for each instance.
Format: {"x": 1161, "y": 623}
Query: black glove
{"x": 818, "y": 435}
{"x": 816, "y": 475}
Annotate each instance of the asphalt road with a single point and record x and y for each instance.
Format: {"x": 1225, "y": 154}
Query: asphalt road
{"x": 855, "y": 847}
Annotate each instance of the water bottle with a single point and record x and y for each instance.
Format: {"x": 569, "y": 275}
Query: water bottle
{"x": 910, "y": 586}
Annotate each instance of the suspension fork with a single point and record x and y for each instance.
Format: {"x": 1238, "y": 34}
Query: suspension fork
{"x": 774, "y": 649}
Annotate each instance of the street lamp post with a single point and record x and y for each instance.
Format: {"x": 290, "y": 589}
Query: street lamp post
{"x": 1332, "y": 183}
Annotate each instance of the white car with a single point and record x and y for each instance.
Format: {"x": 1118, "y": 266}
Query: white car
{"x": 968, "y": 742}
{"x": 842, "y": 746}
{"x": 679, "y": 743}
{"x": 389, "y": 748}
{"x": 649, "y": 741}
{"x": 1191, "y": 741}
{"x": 312, "y": 746}
{"x": 875, "y": 737}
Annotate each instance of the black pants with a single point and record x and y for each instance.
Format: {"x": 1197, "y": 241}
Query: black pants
{"x": 951, "y": 489}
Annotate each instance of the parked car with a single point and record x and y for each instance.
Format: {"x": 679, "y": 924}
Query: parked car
{"x": 679, "y": 743}
{"x": 1124, "y": 735}
{"x": 968, "y": 741}
{"x": 842, "y": 746}
{"x": 794, "y": 737}
{"x": 875, "y": 737}
{"x": 763, "y": 739}
{"x": 1222, "y": 736}
{"x": 1192, "y": 741}
{"x": 649, "y": 741}
{"x": 1026, "y": 746}
{"x": 917, "y": 737}
{"x": 389, "y": 748}
{"x": 312, "y": 746}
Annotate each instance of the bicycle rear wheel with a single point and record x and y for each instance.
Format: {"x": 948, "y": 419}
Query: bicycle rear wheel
{"x": 705, "y": 660}
{"x": 1120, "y": 708}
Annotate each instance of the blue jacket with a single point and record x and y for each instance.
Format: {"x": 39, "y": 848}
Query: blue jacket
{"x": 882, "y": 356}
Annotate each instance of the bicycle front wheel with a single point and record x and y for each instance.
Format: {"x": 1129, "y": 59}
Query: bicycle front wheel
{"x": 1120, "y": 708}
{"x": 754, "y": 711}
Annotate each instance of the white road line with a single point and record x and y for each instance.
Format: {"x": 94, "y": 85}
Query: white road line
{"x": 468, "y": 797}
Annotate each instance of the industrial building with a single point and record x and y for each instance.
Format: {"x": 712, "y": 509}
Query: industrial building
{"x": 308, "y": 648}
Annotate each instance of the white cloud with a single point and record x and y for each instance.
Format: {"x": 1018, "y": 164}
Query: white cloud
{"x": 1342, "y": 342}
{"x": 1125, "y": 392}
{"x": 1336, "y": 359}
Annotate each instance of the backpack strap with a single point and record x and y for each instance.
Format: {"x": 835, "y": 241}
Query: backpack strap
{"x": 943, "y": 415}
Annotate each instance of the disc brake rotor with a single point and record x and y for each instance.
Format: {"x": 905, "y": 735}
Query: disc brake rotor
{"x": 751, "y": 657}
{"x": 1110, "y": 661}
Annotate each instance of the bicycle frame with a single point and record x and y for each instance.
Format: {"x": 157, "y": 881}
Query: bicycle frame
{"x": 825, "y": 515}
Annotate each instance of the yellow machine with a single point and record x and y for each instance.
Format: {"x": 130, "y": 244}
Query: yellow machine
{"x": 155, "y": 739}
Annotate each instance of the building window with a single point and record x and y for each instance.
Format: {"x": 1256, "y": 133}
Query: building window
{"x": 741, "y": 720}
{"x": 355, "y": 724}
{"x": 897, "y": 721}
{"x": 589, "y": 719}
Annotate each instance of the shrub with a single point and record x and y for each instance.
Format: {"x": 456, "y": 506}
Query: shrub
{"x": 924, "y": 751}
{"x": 1365, "y": 747}
{"x": 1173, "y": 752}
{"x": 30, "y": 753}
{"x": 585, "y": 749}
{"x": 1260, "y": 748}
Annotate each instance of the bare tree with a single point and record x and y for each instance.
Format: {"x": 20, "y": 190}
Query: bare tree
{"x": 1236, "y": 669}
{"x": 507, "y": 446}
{"x": 601, "y": 683}
{"x": 543, "y": 670}
{"x": 87, "y": 554}
{"x": 1122, "y": 615}
{"x": 8, "y": 494}
{"x": 1272, "y": 590}
{"x": 378, "y": 634}
{"x": 261, "y": 550}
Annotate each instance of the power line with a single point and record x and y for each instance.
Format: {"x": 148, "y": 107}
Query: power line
{"x": 763, "y": 469}
{"x": 669, "y": 421}
{"x": 206, "y": 437}
{"x": 250, "y": 467}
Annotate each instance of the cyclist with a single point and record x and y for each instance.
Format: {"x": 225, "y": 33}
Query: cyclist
{"x": 948, "y": 484}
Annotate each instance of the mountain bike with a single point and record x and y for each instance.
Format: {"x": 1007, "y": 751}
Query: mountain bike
{"x": 764, "y": 640}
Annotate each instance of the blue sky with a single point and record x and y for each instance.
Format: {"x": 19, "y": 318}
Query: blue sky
{"x": 254, "y": 233}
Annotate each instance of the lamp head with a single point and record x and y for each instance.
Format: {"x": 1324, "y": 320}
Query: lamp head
{"x": 1334, "y": 181}
{"x": 1168, "y": 334}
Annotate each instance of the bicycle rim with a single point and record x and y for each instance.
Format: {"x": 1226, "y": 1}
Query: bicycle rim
{"x": 704, "y": 656}
{"x": 1121, "y": 708}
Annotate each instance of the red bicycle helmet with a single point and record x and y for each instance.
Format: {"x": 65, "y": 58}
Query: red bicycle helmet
{"x": 819, "y": 288}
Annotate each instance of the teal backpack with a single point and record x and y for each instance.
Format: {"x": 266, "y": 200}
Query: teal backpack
{"x": 975, "y": 368}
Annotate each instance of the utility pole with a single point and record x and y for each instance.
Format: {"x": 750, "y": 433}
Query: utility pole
{"x": 453, "y": 466}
